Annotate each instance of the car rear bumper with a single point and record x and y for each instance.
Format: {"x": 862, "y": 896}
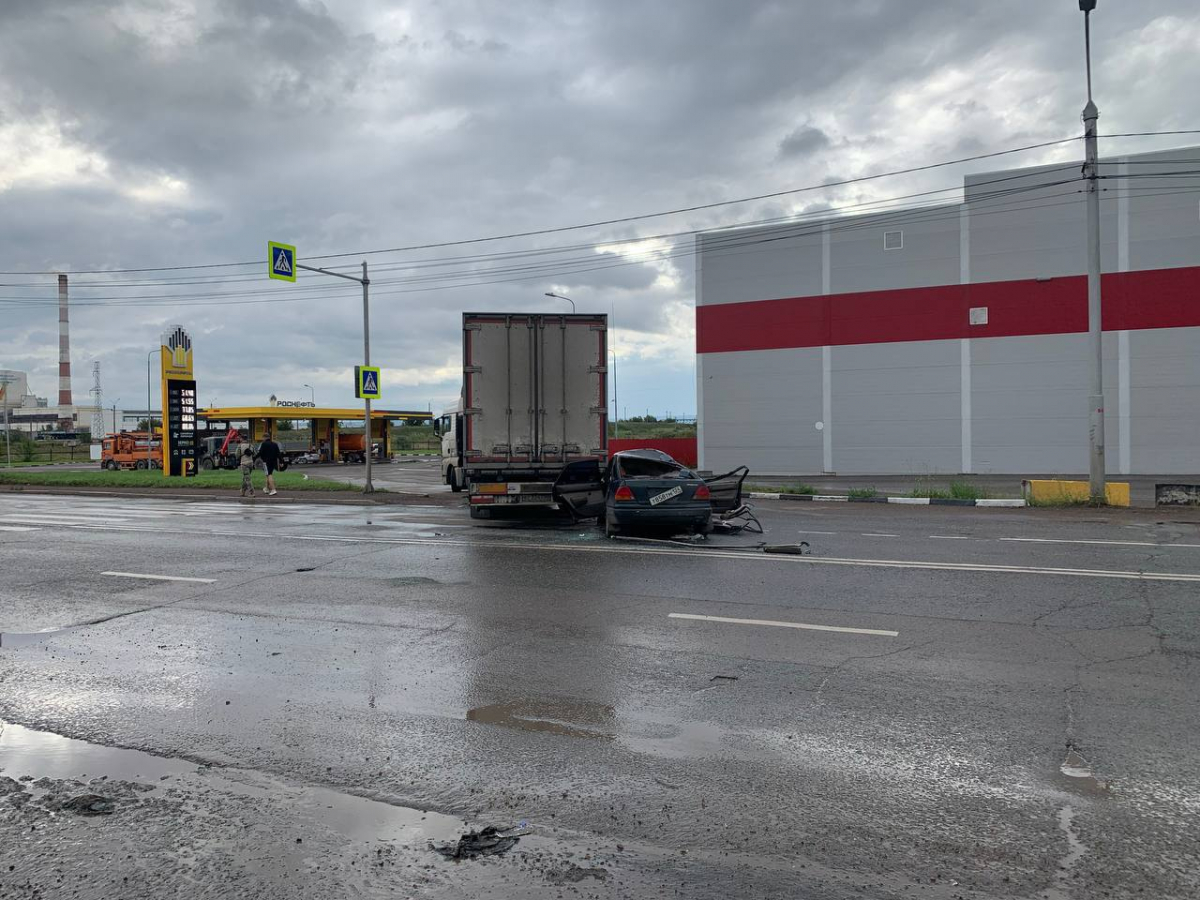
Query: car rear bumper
{"x": 674, "y": 514}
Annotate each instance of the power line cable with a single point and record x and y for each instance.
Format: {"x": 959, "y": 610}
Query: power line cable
{"x": 617, "y": 221}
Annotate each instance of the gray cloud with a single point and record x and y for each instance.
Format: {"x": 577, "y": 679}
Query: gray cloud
{"x": 803, "y": 141}
{"x": 172, "y": 132}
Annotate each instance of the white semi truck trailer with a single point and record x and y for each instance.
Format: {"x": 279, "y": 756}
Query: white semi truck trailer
{"x": 531, "y": 426}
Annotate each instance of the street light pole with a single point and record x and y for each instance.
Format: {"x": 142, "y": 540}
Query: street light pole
{"x": 1091, "y": 114}
{"x": 368, "y": 487}
{"x": 313, "y": 393}
{"x": 560, "y": 297}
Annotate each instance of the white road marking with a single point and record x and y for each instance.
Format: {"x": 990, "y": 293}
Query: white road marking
{"x": 689, "y": 552}
{"x": 1020, "y": 540}
{"x": 949, "y": 537}
{"x": 801, "y": 625}
{"x": 878, "y": 534}
{"x": 159, "y": 577}
{"x": 53, "y": 519}
{"x": 17, "y": 528}
{"x": 816, "y": 532}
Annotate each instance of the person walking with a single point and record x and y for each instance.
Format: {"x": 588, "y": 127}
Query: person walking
{"x": 270, "y": 453}
{"x": 247, "y": 467}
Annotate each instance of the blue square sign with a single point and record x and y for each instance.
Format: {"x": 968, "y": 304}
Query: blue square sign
{"x": 281, "y": 261}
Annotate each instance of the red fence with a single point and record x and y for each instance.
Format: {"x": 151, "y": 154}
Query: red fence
{"x": 681, "y": 449}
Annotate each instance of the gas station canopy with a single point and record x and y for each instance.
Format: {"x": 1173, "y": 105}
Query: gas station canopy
{"x": 246, "y": 413}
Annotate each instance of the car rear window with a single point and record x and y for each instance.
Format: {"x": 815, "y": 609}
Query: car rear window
{"x": 640, "y": 467}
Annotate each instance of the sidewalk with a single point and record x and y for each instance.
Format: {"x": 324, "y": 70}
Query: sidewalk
{"x": 1141, "y": 487}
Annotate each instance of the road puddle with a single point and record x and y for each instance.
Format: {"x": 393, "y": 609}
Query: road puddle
{"x": 11, "y": 640}
{"x": 1075, "y": 774}
{"x": 568, "y": 717}
{"x": 29, "y": 756}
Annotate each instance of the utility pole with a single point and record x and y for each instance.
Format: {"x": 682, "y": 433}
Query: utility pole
{"x": 1095, "y": 324}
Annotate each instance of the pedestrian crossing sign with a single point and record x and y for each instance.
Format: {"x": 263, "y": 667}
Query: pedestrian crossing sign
{"x": 281, "y": 261}
{"x": 366, "y": 382}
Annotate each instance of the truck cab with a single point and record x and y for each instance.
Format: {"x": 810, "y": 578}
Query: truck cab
{"x": 449, "y": 426}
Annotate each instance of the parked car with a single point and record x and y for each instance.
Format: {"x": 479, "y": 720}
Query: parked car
{"x": 649, "y": 488}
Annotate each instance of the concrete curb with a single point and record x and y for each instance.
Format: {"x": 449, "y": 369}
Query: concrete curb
{"x": 1004, "y": 503}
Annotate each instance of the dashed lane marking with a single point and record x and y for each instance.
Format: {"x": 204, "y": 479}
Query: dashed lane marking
{"x": 159, "y": 577}
{"x": 949, "y": 537}
{"x": 879, "y": 632}
{"x": 18, "y": 528}
{"x": 693, "y": 553}
{"x": 1024, "y": 540}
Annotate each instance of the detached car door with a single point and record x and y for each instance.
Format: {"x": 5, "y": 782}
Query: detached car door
{"x": 580, "y": 489}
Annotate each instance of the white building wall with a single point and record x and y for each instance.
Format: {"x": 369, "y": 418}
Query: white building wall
{"x": 1003, "y": 404}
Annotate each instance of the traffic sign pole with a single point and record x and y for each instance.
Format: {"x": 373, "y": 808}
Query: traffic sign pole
{"x": 368, "y": 487}
{"x": 278, "y": 269}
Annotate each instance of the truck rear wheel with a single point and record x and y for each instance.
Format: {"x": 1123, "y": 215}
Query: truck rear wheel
{"x": 140, "y": 464}
{"x": 477, "y": 513}
{"x": 206, "y": 464}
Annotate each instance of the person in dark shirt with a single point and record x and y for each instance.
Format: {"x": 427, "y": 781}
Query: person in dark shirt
{"x": 270, "y": 453}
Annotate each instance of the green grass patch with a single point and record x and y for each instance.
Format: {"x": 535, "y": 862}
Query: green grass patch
{"x": 781, "y": 488}
{"x": 218, "y": 480}
{"x": 862, "y": 493}
{"x": 632, "y": 431}
{"x": 958, "y": 490}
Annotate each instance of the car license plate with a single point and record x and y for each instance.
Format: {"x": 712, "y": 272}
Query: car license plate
{"x": 665, "y": 496}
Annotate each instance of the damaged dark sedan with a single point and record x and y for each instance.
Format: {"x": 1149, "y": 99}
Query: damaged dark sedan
{"x": 647, "y": 488}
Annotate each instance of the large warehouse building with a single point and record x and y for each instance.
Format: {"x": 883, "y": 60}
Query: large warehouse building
{"x": 953, "y": 338}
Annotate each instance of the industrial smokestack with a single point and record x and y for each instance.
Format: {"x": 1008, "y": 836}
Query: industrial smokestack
{"x": 65, "y": 412}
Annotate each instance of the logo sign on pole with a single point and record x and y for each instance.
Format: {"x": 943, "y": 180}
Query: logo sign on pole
{"x": 281, "y": 261}
{"x": 366, "y": 382}
{"x": 179, "y": 405}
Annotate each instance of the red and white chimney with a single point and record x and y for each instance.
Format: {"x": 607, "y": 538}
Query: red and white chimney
{"x": 65, "y": 405}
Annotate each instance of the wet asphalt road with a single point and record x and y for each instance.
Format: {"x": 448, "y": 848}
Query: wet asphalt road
{"x": 983, "y": 703}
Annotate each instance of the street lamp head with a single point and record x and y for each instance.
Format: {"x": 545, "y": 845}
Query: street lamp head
{"x": 1087, "y": 5}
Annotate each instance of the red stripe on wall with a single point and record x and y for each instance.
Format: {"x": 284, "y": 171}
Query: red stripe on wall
{"x": 1158, "y": 298}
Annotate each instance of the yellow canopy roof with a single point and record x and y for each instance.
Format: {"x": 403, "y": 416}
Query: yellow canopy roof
{"x": 237, "y": 413}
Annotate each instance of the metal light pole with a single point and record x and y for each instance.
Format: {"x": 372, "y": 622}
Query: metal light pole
{"x": 369, "y": 486}
{"x": 313, "y": 392}
{"x": 1095, "y": 324}
{"x": 149, "y": 412}
{"x": 616, "y": 417}
{"x": 560, "y": 297}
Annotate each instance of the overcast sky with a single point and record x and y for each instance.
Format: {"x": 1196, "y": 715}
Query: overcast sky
{"x": 172, "y": 132}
